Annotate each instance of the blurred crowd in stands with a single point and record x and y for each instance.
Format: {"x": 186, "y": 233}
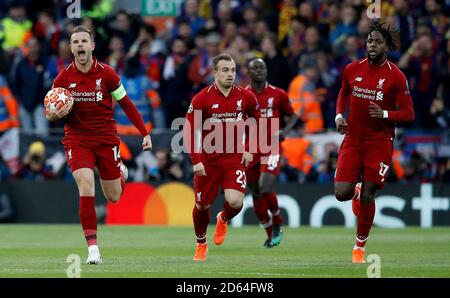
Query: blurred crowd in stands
{"x": 306, "y": 45}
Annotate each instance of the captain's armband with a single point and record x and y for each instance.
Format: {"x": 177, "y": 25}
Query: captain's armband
{"x": 119, "y": 93}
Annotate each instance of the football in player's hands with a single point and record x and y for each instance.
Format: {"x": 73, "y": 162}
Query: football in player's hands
{"x": 57, "y": 99}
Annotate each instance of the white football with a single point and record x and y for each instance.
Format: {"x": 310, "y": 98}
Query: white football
{"x": 57, "y": 96}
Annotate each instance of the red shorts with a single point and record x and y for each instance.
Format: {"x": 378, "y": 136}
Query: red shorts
{"x": 206, "y": 188}
{"x": 369, "y": 158}
{"x": 106, "y": 157}
{"x": 263, "y": 164}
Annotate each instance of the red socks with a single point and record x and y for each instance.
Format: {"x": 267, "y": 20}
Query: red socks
{"x": 88, "y": 219}
{"x": 365, "y": 220}
{"x": 201, "y": 221}
{"x": 261, "y": 211}
{"x": 229, "y": 212}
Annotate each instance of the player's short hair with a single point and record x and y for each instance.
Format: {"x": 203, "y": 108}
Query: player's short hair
{"x": 387, "y": 33}
{"x": 218, "y": 58}
{"x": 79, "y": 29}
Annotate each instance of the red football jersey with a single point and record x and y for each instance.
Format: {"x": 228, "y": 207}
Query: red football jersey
{"x": 92, "y": 115}
{"x": 213, "y": 108}
{"x": 385, "y": 85}
{"x": 273, "y": 104}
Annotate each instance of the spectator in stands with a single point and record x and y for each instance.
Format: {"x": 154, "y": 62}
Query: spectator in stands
{"x": 47, "y": 31}
{"x": 9, "y": 127}
{"x": 138, "y": 86}
{"x": 34, "y": 167}
{"x": 175, "y": 86}
{"x": 293, "y": 42}
{"x": 278, "y": 71}
{"x": 200, "y": 71}
{"x": 116, "y": 58}
{"x": 405, "y": 23}
{"x": 347, "y": 27}
{"x": 287, "y": 12}
{"x": 190, "y": 13}
{"x": 302, "y": 93}
{"x": 421, "y": 66}
{"x": 15, "y": 29}
{"x": 29, "y": 88}
{"x": 6, "y": 210}
{"x": 168, "y": 167}
{"x": 124, "y": 29}
{"x": 313, "y": 45}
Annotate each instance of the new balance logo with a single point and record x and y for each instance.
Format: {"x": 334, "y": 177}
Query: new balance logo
{"x": 215, "y": 106}
{"x": 72, "y": 85}
{"x": 358, "y": 79}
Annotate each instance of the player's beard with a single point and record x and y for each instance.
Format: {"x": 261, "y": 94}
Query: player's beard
{"x": 226, "y": 84}
{"x": 377, "y": 59}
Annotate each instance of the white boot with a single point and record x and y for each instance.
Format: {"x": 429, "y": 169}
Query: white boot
{"x": 94, "y": 257}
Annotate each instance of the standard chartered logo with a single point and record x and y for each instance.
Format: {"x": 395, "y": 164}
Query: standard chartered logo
{"x": 99, "y": 96}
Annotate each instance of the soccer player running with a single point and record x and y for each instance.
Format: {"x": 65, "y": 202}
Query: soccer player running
{"x": 274, "y": 105}
{"x": 90, "y": 137}
{"x": 222, "y": 106}
{"x": 378, "y": 95}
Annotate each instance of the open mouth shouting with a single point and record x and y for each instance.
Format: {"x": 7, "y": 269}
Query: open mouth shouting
{"x": 82, "y": 55}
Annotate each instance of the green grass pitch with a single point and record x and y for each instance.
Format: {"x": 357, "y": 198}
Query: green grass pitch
{"x": 143, "y": 251}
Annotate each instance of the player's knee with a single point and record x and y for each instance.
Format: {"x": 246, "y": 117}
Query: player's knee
{"x": 342, "y": 194}
{"x": 235, "y": 204}
{"x": 86, "y": 187}
{"x": 113, "y": 196}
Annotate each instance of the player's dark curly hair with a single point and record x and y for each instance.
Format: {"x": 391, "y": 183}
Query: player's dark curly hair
{"x": 389, "y": 35}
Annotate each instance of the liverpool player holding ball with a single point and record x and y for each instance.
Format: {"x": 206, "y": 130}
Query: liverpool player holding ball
{"x": 378, "y": 96}
{"x": 90, "y": 138}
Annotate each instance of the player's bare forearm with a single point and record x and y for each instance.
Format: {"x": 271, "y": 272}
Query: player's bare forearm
{"x": 404, "y": 114}
{"x": 247, "y": 158}
{"x": 292, "y": 120}
{"x": 341, "y": 125}
{"x": 199, "y": 169}
{"x": 147, "y": 143}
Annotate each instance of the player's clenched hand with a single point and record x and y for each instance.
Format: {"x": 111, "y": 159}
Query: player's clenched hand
{"x": 199, "y": 169}
{"x": 147, "y": 143}
{"x": 341, "y": 126}
{"x": 61, "y": 111}
{"x": 247, "y": 158}
{"x": 375, "y": 111}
